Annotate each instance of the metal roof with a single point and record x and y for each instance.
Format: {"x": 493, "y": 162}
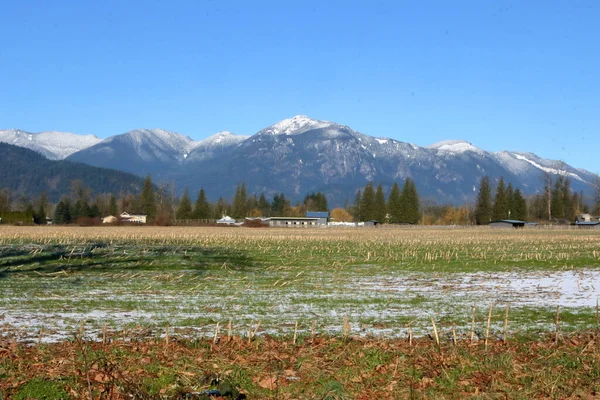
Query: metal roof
{"x": 294, "y": 218}
{"x": 317, "y": 214}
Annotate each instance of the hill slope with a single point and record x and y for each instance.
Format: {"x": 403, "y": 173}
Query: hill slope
{"x": 26, "y": 172}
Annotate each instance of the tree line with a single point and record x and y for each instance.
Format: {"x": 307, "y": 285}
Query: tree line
{"x": 400, "y": 206}
{"x": 554, "y": 200}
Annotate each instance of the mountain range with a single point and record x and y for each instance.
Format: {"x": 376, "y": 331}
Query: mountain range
{"x": 301, "y": 155}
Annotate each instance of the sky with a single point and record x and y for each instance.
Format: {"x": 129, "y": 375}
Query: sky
{"x": 503, "y": 75}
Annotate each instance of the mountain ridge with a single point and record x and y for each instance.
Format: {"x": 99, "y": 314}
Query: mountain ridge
{"x": 299, "y": 155}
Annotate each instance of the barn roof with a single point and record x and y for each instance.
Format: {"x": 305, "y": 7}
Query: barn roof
{"x": 317, "y": 214}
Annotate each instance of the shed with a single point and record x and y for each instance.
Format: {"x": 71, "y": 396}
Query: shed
{"x": 293, "y": 222}
{"x": 588, "y": 225}
{"x": 136, "y": 218}
{"x": 323, "y": 216}
{"x": 507, "y": 223}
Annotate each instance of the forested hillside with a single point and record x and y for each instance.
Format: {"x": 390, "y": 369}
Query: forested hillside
{"x": 26, "y": 172}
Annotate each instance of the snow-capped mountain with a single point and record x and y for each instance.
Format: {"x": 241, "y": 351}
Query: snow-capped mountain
{"x": 300, "y": 155}
{"x": 213, "y": 145}
{"x": 295, "y": 126}
{"x": 52, "y": 145}
{"x": 141, "y": 151}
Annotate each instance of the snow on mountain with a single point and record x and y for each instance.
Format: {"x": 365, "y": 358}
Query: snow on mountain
{"x": 552, "y": 170}
{"x": 212, "y": 145}
{"x": 52, "y": 145}
{"x": 455, "y": 146}
{"x": 155, "y": 143}
{"x": 299, "y": 155}
{"x": 295, "y": 126}
{"x": 224, "y": 138}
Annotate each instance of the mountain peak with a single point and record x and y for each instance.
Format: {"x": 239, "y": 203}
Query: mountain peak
{"x": 455, "y": 146}
{"x": 295, "y": 126}
{"x": 223, "y": 138}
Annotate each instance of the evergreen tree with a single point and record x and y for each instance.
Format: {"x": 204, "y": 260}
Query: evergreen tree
{"x": 264, "y": 206}
{"x": 519, "y": 206}
{"x": 95, "y": 211}
{"x": 483, "y": 209}
{"x": 410, "y": 203}
{"x": 510, "y": 195}
{"x": 569, "y": 206}
{"x": 40, "y": 216}
{"x": 62, "y": 212}
{"x": 316, "y": 202}
{"x": 202, "y": 208}
{"x": 355, "y": 211}
{"x": 500, "y": 208}
{"x": 112, "y": 208}
{"x": 184, "y": 211}
{"x": 81, "y": 209}
{"x": 395, "y": 205}
{"x": 557, "y": 202}
{"x": 278, "y": 206}
{"x": 367, "y": 203}
{"x": 240, "y": 201}
{"x": 148, "y": 199}
{"x": 221, "y": 208}
{"x": 380, "y": 206}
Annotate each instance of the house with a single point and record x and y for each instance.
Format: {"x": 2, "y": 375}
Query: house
{"x": 226, "y": 220}
{"x": 323, "y": 216}
{"x": 111, "y": 219}
{"x": 133, "y": 218}
{"x": 293, "y": 222}
{"x": 507, "y": 223}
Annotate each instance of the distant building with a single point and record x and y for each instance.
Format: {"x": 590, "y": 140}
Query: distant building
{"x": 588, "y": 224}
{"x": 371, "y": 222}
{"x": 133, "y": 218}
{"x": 294, "y": 222}
{"x": 226, "y": 220}
{"x": 323, "y": 216}
{"x": 507, "y": 223}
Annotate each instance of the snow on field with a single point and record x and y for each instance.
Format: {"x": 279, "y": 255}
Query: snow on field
{"x": 375, "y": 304}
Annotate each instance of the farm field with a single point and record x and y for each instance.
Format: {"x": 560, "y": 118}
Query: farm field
{"x": 58, "y": 279}
{"x": 354, "y": 291}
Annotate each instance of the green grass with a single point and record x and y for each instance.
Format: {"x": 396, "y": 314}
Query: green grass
{"x": 382, "y": 284}
{"x": 40, "y": 389}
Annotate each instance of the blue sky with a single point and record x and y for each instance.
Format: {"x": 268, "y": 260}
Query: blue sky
{"x": 517, "y": 75}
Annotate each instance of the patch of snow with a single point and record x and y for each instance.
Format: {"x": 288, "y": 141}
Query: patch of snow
{"x": 224, "y": 138}
{"x": 382, "y": 141}
{"x": 547, "y": 169}
{"x": 295, "y": 126}
{"x": 53, "y": 145}
{"x": 455, "y": 146}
